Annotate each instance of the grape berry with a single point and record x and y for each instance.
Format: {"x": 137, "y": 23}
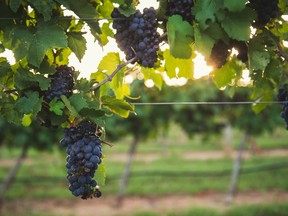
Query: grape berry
{"x": 84, "y": 155}
{"x": 61, "y": 83}
{"x": 182, "y": 8}
{"x": 137, "y": 35}
{"x": 282, "y": 96}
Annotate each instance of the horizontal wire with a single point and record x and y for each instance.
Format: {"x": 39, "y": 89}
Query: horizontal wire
{"x": 208, "y": 103}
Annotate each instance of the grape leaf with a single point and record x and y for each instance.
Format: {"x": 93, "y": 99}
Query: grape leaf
{"x": 15, "y": 4}
{"x": 77, "y": 101}
{"x": 259, "y": 56}
{"x": 205, "y": 11}
{"x": 237, "y": 28}
{"x": 109, "y": 62}
{"x": 180, "y": 37}
{"x": 235, "y": 6}
{"x": 150, "y": 73}
{"x": 4, "y": 67}
{"x": 203, "y": 42}
{"x": 56, "y": 107}
{"x": 117, "y": 106}
{"x": 100, "y": 175}
{"x": 24, "y": 79}
{"x": 106, "y": 31}
{"x": 26, "y": 120}
{"x": 30, "y": 103}
{"x": 44, "y": 7}
{"x": 106, "y": 8}
{"x": 69, "y": 106}
{"x": 176, "y": 67}
{"x": 34, "y": 45}
{"x": 77, "y": 43}
{"x": 257, "y": 108}
{"x": 225, "y": 75}
{"x": 92, "y": 114}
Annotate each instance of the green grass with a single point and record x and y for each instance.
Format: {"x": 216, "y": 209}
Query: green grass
{"x": 160, "y": 177}
{"x": 274, "y": 209}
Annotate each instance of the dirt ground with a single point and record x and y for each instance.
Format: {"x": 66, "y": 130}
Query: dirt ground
{"x": 106, "y": 206}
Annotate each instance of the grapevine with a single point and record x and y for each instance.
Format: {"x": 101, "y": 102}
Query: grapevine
{"x": 84, "y": 155}
{"x": 219, "y": 54}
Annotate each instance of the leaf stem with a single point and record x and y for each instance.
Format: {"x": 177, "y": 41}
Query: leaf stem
{"x": 110, "y": 77}
{"x": 8, "y": 90}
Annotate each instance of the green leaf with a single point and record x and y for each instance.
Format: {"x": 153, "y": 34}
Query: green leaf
{"x": 259, "y": 56}
{"x": 44, "y": 7}
{"x": 180, "y": 37}
{"x": 205, "y": 11}
{"x": 237, "y": 25}
{"x": 106, "y": 8}
{"x": 117, "y": 106}
{"x": 109, "y": 62}
{"x": 30, "y": 103}
{"x": 257, "y": 108}
{"x": 69, "y": 106}
{"x": 5, "y": 67}
{"x": 226, "y": 74}
{"x": 150, "y": 73}
{"x": 100, "y": 175}
{"x": 235, "y": 6}
{"x": 78, "y": 102}
{"x": 92, "y": 114}
{"x": 25, "y": 79}
{"x": 176, "y": 67}
{"x": 203, "y": 42}
{"x": 15, "y": 4}
{"x": 77, "y": 43}
{"x": 56, "y": 107}
{"x": 34, "y": 45}
{"x": 26, "y": 120}
{"x": 106, "y": 31}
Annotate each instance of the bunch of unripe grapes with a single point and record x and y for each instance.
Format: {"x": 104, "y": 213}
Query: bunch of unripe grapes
{"x": 182, "y": 8}
{"x": 62, "y": 83}
{"x": 137, "y": 35}
{"x": 282, "y": 97}
{"x": 266, "y": 10}
{"x": 83, "y": 147}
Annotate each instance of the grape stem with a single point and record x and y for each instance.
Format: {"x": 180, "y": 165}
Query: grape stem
{"x": 110, "y": 77}
{"x": 282, "y": 52}
{"x": 8, "y": 90}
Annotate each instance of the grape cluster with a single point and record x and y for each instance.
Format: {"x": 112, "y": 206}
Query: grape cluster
{"x": 137, "y": 35}
{"x": 61, "y": 83}
{"x": 282, "y": 96}
{"x": 84, "y": 155}
{"x": 219, "y": 54}
{"x": 182, "y": 8}
{"x": 242, "y": 48}
{"x": 266, "y": 10}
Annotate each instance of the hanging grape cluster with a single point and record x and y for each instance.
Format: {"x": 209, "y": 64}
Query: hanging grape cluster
{"x": 182, "y": 8}
{"x": 266, "y": 10}
{"x": 84, "y": 155}
{"x": 242, "y": 48}
{"x": 137, "y": 35}
{"x": 61, "y": 83}
{"x": 219, "y": 54}
{"x": 282, "y": 96}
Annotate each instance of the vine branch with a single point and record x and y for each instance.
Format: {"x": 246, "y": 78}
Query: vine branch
{"x": 110, "y": 77}
{"x": 282, "y": 52}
